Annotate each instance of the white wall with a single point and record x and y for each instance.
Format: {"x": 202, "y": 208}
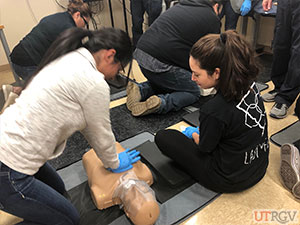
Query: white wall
{"x": 20, "y": 16}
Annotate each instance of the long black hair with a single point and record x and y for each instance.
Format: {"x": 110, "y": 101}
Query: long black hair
{"x": 74, "y": 38}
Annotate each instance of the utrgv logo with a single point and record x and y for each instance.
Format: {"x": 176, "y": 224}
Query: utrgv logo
{"x": 283, "y": 216}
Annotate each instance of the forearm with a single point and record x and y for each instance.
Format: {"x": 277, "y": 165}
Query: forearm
{"x": 266, "y": 4}
{"x": 196, "y": 137}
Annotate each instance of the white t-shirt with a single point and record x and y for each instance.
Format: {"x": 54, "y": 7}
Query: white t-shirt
{"x": 68, "y": 95}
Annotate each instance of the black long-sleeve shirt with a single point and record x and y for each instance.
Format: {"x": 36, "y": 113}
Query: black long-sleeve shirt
{"x": 32, "y": 48}
{"x": 172, "y": 35}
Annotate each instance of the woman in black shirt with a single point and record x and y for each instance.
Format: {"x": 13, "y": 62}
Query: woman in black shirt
{"x": 231, "y": 152}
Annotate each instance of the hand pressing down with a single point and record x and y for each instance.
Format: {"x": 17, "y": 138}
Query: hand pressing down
{"x": 126, "y": 159}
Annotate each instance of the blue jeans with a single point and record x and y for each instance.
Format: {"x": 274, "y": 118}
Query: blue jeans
{"x": 231, "y": 17}
{"x": 175, "y": 88}
{"x": 138, "y": 9}
{"x": 37, "y": 199}
{"x": 25, "y": 72}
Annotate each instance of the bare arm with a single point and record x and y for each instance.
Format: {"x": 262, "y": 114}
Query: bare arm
{"x": 267, "y": 4}
{"x": 196, "y": 137}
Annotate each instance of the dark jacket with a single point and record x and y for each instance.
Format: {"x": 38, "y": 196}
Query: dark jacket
{"x": 35, "y": 44}
{"x": 170, "y": 38}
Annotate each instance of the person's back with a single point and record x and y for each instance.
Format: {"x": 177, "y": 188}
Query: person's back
{"x": 171, "y": 36}
{"x": 163, "y": 57}
{"x": 38, "y": 40}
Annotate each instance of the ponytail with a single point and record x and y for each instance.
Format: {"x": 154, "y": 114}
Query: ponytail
{"x": 234, "y": 56}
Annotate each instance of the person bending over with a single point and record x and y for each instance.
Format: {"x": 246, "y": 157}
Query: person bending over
{"x": 28, "y": 53}
{"x": 162, "y": 54}
{"x": 68, "y": 93}
{"x": 229, "y": 150}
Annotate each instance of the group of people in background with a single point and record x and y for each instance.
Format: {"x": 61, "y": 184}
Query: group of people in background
{"x": 183, "y": 55}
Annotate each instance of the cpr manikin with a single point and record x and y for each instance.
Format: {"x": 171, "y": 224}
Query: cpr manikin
{"x": 130, "y": 188}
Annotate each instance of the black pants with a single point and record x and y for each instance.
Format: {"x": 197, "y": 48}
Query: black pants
{"x": 286, "y": 48}
{"x": 185, "y": 152}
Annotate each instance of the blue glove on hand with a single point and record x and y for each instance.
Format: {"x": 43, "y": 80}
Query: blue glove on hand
{"x": 246, "y": 7}
{"x": 126, "y": 159}
{"x": 190, "y": 130}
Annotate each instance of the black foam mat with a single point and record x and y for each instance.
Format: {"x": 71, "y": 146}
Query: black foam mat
{"x": 118, "y": 82}
{"x": 176, "y": 202}
{"x": 289, "y": 134}
{"x": 192, "y": 118}
{"x": 164, "y": 166}
{"x": 169, "y": 178}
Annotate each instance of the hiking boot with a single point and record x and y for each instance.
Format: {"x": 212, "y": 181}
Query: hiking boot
{"x": 133, "y": 95}
{"x": 151, "y": 105}
{"x": 279, "y": 110}
{"x": 10, "y": 100}
{"x": 6, "y": 88}
{"x": 269, "y": 96}
{"x": 289, "y": 168}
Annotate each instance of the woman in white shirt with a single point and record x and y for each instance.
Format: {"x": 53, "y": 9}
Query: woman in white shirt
{"x": 67, "y": 94}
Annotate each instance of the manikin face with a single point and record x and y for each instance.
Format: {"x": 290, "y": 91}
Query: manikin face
{"x": 201, "y": 77}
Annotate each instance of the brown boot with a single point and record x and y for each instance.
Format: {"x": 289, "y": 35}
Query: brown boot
{"x": 151, "y": 105}
{"x": 133, "y": 95}
{"x": 289, "y": 168}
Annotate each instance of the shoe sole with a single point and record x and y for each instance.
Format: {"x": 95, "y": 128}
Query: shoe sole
{"x": 133, "y": 95}
{"x": 276, "y": 116}
{"x": 269, "y": 100}
{"x": 146, "y": 107}
{"x": 288, "y": 172}
{"x": 296, "y": 190}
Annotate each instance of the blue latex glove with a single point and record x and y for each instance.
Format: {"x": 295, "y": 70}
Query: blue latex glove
{"x": 126, "y": 159}
{"x": 246, "y": 7}
{"x": 190, "y": 130}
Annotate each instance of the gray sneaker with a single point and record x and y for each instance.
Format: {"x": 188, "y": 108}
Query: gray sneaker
{"x": 290, "y": 168}
{"x": 279, "y": 111}
{"x": 269, "y": 96}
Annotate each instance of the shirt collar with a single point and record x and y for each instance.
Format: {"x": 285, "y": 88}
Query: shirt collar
{"x": 86, "y": 54}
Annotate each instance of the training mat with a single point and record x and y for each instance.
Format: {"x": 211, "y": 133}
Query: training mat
{"x": 163, "y": 165}
{"x": 117, "y": 87}
{"x": 192, "y": 118}
{"x": 180, "y": 206}
{"x": 290, "y": 134}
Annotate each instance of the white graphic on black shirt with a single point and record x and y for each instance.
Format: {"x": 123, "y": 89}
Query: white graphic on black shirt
{"x": 254, "y": 114}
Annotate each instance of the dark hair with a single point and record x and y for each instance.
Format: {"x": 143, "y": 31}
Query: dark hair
{"x": 80, "y": 6}
{"x": 234, "y": 56}
{"x": 74, "y": 38}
